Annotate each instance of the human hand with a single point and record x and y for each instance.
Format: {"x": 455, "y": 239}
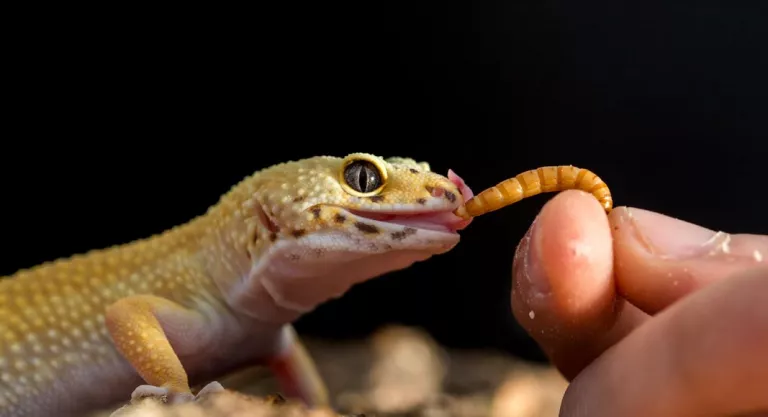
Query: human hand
{"x": 646, "y": 315}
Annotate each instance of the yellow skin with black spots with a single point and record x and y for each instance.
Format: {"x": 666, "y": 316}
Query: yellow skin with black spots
{"x": 220, "y": 292}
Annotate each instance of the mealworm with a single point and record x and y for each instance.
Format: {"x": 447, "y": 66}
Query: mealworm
{"x": 537, "y": 181}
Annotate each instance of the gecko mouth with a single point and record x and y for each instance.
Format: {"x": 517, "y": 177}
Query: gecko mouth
{"x": 441, "y": 221}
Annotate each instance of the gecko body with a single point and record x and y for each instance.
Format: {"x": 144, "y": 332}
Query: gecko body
{"x": 181, "y": 308}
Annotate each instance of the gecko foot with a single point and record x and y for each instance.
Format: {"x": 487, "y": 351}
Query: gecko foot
{"x": 145, "y": 391}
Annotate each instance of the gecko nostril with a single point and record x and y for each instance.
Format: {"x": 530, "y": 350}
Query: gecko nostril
{"x": 436, "y": 191}
{"x": 439, "y": 192}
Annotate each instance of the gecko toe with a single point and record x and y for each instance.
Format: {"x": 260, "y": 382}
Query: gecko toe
{"x": 164, "y": 394}
{"x": 180, "y": 398}
{"x": 212, "y": 388}
{"x": 145, "y": 391}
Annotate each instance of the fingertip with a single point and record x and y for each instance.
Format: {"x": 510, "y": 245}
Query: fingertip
{"x": 577, "y": 255}
{"x": 563, "y": 270}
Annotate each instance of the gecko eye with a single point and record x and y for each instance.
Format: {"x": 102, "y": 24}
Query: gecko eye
{"x": 363, "y": 176}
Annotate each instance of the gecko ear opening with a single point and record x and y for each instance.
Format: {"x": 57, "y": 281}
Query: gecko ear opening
{"x": 363, "y": 175}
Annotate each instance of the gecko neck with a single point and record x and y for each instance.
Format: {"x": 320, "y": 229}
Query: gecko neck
{"x": 227, "y": 234}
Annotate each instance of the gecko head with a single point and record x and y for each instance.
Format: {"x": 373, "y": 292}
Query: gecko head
{"x": 373, "y": 204}
{"x": 361, "y": 199}
{"x": 319, "y": 225}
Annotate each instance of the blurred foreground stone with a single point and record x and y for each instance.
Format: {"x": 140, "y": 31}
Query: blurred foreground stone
{"x": 399, "y": 372}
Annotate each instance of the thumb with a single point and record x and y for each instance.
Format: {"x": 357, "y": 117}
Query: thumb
{"x": 660, "y": 259}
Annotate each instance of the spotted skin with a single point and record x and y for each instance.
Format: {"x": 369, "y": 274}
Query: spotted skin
{"x": 175, "y": 310}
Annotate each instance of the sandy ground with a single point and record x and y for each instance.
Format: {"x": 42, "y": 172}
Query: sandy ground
{"x": 400, "y": 372}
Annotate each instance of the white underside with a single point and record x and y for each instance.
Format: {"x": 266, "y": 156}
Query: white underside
{"x": 295, "y": 276}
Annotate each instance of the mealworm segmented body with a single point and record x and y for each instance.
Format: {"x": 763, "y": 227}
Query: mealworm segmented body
{"x": 534, "y": 182}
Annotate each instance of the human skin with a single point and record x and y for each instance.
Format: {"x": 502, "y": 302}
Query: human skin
{"x": 646, "y": 315}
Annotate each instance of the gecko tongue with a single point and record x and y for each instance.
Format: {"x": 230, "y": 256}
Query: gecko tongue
{"x": 466, "y": 194}
{"x": 432, "y": 221}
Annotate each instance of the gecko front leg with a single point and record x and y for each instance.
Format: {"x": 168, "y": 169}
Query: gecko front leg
{"x": 142, "y": 328}
{"x": 297, "y": 372}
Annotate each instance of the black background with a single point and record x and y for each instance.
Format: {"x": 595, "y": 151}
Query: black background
{"x": 121, "y": 123}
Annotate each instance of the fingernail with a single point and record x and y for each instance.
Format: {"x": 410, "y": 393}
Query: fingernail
{"x": 668, "y": 237}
